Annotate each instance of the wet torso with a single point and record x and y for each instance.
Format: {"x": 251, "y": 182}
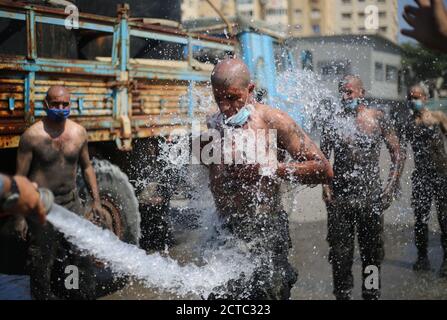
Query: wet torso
{"x": 232, "y": 192}
{"x": 55, "y": 157}
{"x": 427, "y": 141}
{"x": 356, "y": 141}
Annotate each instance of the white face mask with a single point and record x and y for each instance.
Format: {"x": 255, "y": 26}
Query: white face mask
{"x": 241, "y": 117}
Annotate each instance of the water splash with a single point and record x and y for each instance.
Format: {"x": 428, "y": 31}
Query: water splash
{"x": 153, "y": 270}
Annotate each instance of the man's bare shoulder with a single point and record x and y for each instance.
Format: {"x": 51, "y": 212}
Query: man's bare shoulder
{"x": 32, "y": 135}
{"x": 76, "y": 129}
{"x": 273, "y": 115}
{"x": 34, "y": 131}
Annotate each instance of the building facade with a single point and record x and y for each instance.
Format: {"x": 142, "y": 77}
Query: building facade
{"x": 375, "y": 59}
{"x": 307, "y": 17}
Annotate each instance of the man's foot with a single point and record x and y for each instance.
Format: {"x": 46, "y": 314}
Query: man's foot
{"x": 443, "y": 270}
{"x": 422, "y": 264}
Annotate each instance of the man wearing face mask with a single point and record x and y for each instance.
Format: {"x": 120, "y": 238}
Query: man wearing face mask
{"x": 425, "y": 132}
{"x": 49, "y": 154}
{"x": 248, "y": 198}
{"x": 355, "y": 200}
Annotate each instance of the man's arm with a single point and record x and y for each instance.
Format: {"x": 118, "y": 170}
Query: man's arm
{"x": 89, "y": 174}
{"x": 441, "y": 117}
{"x": 310, "y": 165}
{"x": 24, "y": 155}
{"x": 393, "y": 145}
{"x": 29, "y": 202}
{"x": 326, "y": 146}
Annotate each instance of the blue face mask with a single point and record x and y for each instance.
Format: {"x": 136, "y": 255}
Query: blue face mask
{"x": 353, "y": 104}
{"x": 240, "y": 118}
{"x": 416, "y": 105}
{"x": 58, "y": 114}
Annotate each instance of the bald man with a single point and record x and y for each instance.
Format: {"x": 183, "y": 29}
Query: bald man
{"x": 49, "y": 154}
{"x": 355, "y": 200}
{"x": 425, "y": 131}
{"x": 247, "y": 194}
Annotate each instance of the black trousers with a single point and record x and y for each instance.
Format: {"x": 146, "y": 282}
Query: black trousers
{"x": 50, "y": 253}
{"x": 429, "y": 187}
{"x": 344, "y": 222}
{"x": 267, "y": 236}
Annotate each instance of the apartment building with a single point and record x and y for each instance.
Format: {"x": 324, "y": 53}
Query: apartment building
{"x": 307, "y": 17}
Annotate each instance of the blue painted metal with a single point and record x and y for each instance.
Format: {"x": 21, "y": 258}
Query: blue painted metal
{"x": 82, "y": 25}
{"x": 257, "y": 50}
{"x": 12, "y": 15}
{"x": 29, "y": 84}
{"x": 81, "y": 105}
{"x": 115, "y": 41}
{"x": 190, "y": 99}
{"x": 11, "y": 103}
{"x": 258, "y": 54}
{"x": 31, "y": 34}
{"x": 124, "y": 44}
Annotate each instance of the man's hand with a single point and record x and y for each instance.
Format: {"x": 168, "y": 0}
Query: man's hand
{"x": 100, "y": 216}
{"x": 387, "y": 197}
{"x": 29, "y": 201}
{"x": 429, "y": 23}
{"x": 21, "y": 227}
{"x": 327, "y": 194}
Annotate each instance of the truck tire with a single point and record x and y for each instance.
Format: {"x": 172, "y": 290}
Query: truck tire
{"x": 117, "y": 197}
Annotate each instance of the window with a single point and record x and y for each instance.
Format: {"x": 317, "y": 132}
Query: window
{"x": 361, "y": 14}
{"x": 247, "y": 13}
{"x": 276, "y": 12}
{"x": 391, "y": 73}
{"x": 244, "y": 1}
{"x": 379, "y": 72}
{"x": 383, "y": 29}
{"x": 346, "y": 1}
{"x": 346, "y": 30}
{"x": 306, "y": 60}
{"x": 382, "y": 14}
{"x": 334, "y": 69}
{"x": 346, "y": 15}
{"x": 316, "y": 28}
{"x": 362, "y": 29}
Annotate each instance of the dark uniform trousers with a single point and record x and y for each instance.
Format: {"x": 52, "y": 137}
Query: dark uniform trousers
{"x": 428, "y": 186}
{"x": 344, "y": 222}
{"x": 49, "y": 255}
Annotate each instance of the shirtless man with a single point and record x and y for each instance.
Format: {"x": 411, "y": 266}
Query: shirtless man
{"x": 249, "y": 203}
{"x": 355, "y": 199}
{"x": 49, "y": 153}
{"x": 425, "y": 132}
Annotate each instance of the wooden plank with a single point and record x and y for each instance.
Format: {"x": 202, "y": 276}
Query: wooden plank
{"x": 83, "y": 90}
{"x": 49, "y": 83}
{"x": 12, "y": 81}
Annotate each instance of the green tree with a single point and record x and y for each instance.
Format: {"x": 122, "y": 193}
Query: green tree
{"x": 421, "y": 64}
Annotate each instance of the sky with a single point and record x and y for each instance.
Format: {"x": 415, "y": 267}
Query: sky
{"x": 402, "y": 23}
